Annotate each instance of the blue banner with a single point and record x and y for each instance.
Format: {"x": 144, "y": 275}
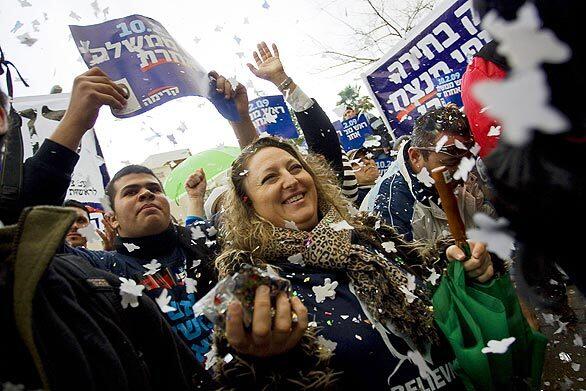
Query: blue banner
{"x": 270, "y": 114}
{"x": 352, "y": 132}
{"x": 140, "y": 54}
{"x": 383, "y": 161}
{"x": 425, "y": 69}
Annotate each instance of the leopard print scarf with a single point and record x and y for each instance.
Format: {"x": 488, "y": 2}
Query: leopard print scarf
{"x": 378, "y": 279}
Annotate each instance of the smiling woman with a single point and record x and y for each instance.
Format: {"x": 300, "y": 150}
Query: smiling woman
{"x": 363, "y": 286}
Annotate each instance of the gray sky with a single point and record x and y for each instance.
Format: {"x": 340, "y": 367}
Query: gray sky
{"x": 299, "y": 27}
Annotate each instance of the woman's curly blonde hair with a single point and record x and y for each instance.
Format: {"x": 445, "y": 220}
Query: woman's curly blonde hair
{"x": 243, "y": 230}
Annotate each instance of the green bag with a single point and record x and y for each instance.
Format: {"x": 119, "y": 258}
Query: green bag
{"x": 470, "y": 315}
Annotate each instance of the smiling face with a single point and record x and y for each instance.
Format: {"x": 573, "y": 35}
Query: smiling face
{"x": 140, "y": 206}
{"x": 280, "y": 189}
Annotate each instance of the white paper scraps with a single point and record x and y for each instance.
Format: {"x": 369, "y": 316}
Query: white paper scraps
{"x": 494, "y": 131}
{"x": 494, "y": 233}
{"x": 129, "y": 291}
{"x": 327, "y": 290}
{"x": 440, "y": 143}
{"x": 340, "y": 226}
{"x": 326, "y": 343}
{"x": 389, "y": 247}
{"x": 163, "y": 302}
{"x": 152, "y": 267}
{"x": 296, "y": 259}
{"x": 425, "y": 178}
{"x": 498, "y": 347}
{"x": 130, "y": 247}
{"x": 89, "y": 232}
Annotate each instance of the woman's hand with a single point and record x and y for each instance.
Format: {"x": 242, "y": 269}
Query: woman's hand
{"x": 238, "y": 93}
{"x": 269, "y": 66}
{"x": 479, "y": 265}
{"x": 267, "y": 338}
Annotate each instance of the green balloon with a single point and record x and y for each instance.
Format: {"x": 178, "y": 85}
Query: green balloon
{"x": 213, "y": 161}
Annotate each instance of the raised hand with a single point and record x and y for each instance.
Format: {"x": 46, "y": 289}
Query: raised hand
{"x": 108, "y": 234}
{"x": 268, "y": 65}
{"x": 223, "y": 86}
{"x": 269, "y": 337}
{"x": 195, "y": 185}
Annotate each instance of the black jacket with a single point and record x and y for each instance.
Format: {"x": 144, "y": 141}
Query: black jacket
{"x": 64, "y": 324}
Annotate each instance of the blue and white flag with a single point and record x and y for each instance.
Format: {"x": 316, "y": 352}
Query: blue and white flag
{"x": 425, "y": 69}
{"x": 270, "y": 114}
{"x": 140, "y": 54}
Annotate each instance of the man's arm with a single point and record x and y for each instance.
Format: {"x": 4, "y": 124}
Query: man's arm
{"x": 195, "y": 186}
{"x": 47, "y": 174}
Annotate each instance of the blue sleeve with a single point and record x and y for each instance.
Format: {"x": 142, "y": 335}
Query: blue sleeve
{"x": 98, "y": 259}
{"x": 394, "y": 204}
{"x": 192, "y": 219}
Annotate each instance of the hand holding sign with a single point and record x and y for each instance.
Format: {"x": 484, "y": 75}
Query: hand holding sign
{"x": 239, "y": 95}
{"x": 91, "y": 90}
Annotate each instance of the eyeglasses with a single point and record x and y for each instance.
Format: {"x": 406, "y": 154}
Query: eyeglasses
{"x": 452, "y": 150}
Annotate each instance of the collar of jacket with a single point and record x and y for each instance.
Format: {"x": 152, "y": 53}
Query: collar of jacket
{"x": 419, "y": 191}
{"x": 34, "y": 241}
{"x": 149, "y": 247}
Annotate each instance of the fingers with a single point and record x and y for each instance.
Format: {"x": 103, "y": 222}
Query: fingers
{"x": 261, "y": 317}
{"x": 275, "y": 50}
{"x": 455, "y": 253}
{"x": 223, "y": 86}
{"x": 252, "y": 67}
{"x": 257, "y": 59}
{"x": 282, "y": 326}
{"x": 111, "y": 91}
{"x": 261, "y": 50}
{"x": 102, "y": 235}
{"x": 266, "y": 50}
{"x": 302, "y": 321}
{"x": 235, "y": 333}
{"x": 488, "y": 274}
{"x": 478, "y": 249}
{"x": 195, "y": 179}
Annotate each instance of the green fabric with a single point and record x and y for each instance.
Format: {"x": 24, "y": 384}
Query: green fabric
{"x": 41, "y": 231}
{"x": 213, "y": 161}
{"x": 470, "y": 315}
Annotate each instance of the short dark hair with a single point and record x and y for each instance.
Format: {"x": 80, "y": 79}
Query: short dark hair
{"x": 128, "y": 170}
{"x": 448, "y": 120}
{"x": 78, "y": 205}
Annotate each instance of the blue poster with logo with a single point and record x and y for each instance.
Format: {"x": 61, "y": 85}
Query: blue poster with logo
{"x": 353, "y": 132}
{"x": 424, "y": 70}
{"x": 138, "y": 53}
{"x": 383, "y": 161}
{"x": 270, "y": 114}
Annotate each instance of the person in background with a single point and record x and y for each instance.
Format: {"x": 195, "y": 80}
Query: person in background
{"x": 73, "y": 237}
{"x": 365, "y": 169}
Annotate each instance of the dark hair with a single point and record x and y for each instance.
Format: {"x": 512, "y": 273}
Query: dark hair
{"x": 448, "y": 120}
{"x": 76, "y": 204}
{"x": 132, "y": 169}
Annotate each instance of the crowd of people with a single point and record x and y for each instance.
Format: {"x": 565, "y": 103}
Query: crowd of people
{"x": 365, "y": 255}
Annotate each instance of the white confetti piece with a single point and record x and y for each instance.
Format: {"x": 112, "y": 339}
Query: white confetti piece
{"x": 493, "y": 233}
{"x": 89, "y": 232}
{"x": 460, "y": 145}
{"x": 312, "y": 324}
{"x": 24, "y": 3}
{"x": 74, "y": 16}
{"x": 243, "y": 173}
{"x": 494, "y": 131}
{"x": 565, "y": 357}
{"x": 211, "y": 358}
{"x": 425, "y": 178}
{"x": 578, "y": 340}
{"x": 521, "y": 104}
{"x": 562, "y": 327}
{"x": 433, "y": 277}
{"x": 190, "y": 285}
{"x": 228, "y": 357}
{"x": 326, "y": 343}
{"x": 548, "y": 318}
{"x": 196, "y": 263}
{"x": 523, "y": 41}
{"x": 327, "y": 290}
{"x": 440, "y": 143}
{"x": 296, "y": 259}
{"x": 498, "y": 347}
{"x": 270, "y": 118}
{"x": 475, "y": 149}
{"x": 197, "y": 233}
{"x": 152, "y": 267}
{"x": 576, "y": 367}
{"x": 26, "y": 39}
{"x": 389, "y": 247}
{"x": 409, "y": 296}
{"x": 344, "y": 317}
{"x": 163, "y": 302}
{"x": 130, "y": 247}
{"x": 358, "y": 337}
{"x": 266, "y": 5}
{"x": 129, "y": 291}
{"x": 340, "y": 226}
{"x": 466, "y": 165}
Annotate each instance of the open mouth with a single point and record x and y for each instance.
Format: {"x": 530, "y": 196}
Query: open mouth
{"x": 295, "y": 198}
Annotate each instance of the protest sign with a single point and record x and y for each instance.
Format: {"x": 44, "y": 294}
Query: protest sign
{"x": 270, "y": 114}
{"x": 138, "y": 53}
{"x": 40, "y": 117}
{"x": 352, "y": 132}
{"x": 424, "y": 70}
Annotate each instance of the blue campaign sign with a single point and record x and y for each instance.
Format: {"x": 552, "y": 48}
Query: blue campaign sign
{"x": 270, "y": 114}
{"x": 383, "y": 161}
{"x": 138, "y": 53}
{"x": 424, "y": 70}
{"x": 352, "y": 132}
